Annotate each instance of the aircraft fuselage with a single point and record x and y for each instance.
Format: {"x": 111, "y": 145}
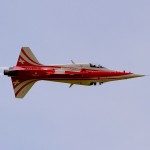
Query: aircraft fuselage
{"x": 28, "y": 71}
{"x": 74, "y": 73}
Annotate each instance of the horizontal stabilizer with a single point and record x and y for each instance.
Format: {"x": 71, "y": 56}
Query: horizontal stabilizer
{"x": 21, "y": 86}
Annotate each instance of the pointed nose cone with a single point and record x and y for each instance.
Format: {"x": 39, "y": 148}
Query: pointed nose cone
{"x": 136, "y": 75}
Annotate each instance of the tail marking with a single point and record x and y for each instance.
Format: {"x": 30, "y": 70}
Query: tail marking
{"x": 21, "y": 86}
{"x": 27, "y": 58}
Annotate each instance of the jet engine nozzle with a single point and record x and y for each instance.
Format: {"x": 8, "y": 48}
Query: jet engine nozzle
{"x": 11, "y": 73}
{"x": 2, "y": 70}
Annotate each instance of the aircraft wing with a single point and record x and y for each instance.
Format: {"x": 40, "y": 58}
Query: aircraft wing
{"x": 78, "y": 82}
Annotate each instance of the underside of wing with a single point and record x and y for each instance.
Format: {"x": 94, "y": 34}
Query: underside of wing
{"x": 78, "y": 82}
{"x": 82, "y": 82}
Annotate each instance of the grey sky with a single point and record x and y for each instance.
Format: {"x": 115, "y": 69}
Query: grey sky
{"x": 114, "y": 116}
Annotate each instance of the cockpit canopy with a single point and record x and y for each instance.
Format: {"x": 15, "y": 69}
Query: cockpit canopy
{"x": 96, "y": 66}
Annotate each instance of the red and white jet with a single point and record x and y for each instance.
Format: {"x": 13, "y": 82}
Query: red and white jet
{"x": 28, "y": 71}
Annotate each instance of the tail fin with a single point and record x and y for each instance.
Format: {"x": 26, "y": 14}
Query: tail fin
{"x": 27, "y": 58}
{"x": 21, "y": 86}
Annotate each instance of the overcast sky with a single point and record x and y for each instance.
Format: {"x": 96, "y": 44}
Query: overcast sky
{"x": 113, "y": 116}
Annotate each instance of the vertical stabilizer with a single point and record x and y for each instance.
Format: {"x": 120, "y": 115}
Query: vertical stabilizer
{"x": 27, "y": 58}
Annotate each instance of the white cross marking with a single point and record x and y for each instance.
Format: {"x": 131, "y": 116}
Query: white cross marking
{"x": 16, "y": 82}
{"x": 35, "y": 74}
{"x": 21, "y": 61}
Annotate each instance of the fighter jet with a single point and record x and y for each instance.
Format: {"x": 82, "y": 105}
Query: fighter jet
{"x": 29, "y": 70}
